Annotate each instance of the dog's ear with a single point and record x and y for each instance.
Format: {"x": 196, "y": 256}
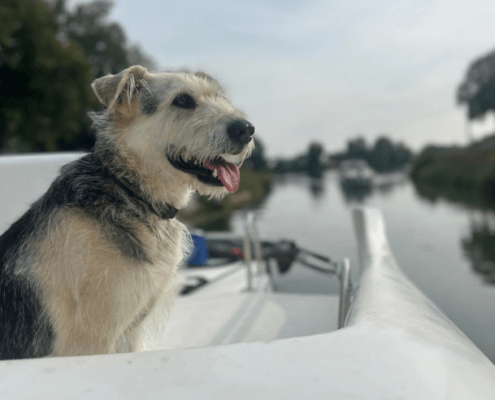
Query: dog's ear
{"x": 110, "y": 87}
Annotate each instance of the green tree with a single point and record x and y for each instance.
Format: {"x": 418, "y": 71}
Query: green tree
{"x": 382, "y": 155}
{"x": 104, "y": 42}
{"x": 45, "y": 82}
{"x": 402, "y": 155}
{"x": 478, "y": 88}
{"x": 356, "y": 148}
{"x": 314, "y": 166}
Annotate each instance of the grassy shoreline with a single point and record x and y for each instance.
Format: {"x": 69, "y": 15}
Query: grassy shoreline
{"x": 462, "y": 175}
{"x": 213, "y": 214}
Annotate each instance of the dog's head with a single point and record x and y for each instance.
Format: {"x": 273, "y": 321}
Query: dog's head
{"x": 178, "y": 127}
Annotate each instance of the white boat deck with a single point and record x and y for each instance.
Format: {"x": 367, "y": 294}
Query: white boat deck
{"x": 227, "y": 313}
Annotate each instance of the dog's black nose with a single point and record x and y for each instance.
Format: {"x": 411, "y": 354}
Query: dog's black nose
{"x": 240, "y": 131}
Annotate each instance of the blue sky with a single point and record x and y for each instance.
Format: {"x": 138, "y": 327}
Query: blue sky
{"x": 326, "y": 71}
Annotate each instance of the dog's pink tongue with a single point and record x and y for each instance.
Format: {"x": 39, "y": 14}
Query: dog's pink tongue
{"x": 228, "y": 174}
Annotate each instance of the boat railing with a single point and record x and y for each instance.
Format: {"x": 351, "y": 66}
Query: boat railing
{"x": 252, "y": 240}
{"x": 340, "y": 269}
{"x": 344, "y": 274}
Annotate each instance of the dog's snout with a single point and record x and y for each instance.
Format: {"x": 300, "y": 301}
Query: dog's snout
{"x": 240, "y": 131}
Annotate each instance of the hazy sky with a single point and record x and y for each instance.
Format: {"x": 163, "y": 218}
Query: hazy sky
{"x": 326, "y": 70}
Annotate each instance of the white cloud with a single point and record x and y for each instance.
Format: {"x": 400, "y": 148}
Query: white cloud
{"x": 320, "y": 70}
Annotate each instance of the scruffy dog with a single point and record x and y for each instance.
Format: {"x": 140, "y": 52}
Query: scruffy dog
{"x": 84, "y": 268}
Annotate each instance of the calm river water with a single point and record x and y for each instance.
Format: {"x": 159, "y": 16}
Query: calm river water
{"x": 429, "y": 241}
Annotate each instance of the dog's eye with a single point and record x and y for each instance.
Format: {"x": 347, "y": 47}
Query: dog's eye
{"x": 184, "y": 100}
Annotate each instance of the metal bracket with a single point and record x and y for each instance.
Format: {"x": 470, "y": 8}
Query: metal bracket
{"x": 341, "y": 269}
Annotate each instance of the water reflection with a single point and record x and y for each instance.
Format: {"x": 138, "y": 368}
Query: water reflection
{"x": 317, "y": 188}
{"x": 315, "y": 185}
{"x": 433, "y": 193}
{"x": 355, "y": 193}
{"x": 383, "y": 184}
{"x": 218, "y": 218}
{"x": 479, "y": 247}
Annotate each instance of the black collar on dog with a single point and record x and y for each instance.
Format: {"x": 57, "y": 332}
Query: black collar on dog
{"x": 167, "y": 212}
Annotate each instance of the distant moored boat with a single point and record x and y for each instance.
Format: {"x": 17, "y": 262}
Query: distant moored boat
{"x": 355, "y": 172}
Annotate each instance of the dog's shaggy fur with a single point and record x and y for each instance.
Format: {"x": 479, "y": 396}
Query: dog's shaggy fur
{"x": 84, "y": 268}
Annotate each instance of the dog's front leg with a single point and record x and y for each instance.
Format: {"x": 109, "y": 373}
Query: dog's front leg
{"x": 83, "y": 325}
{"x": 86, "y": 285}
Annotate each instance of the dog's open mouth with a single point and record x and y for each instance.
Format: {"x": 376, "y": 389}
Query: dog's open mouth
{"x": 217, "y": 172}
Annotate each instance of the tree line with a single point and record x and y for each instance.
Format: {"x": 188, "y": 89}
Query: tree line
{"x": 49, "y": 55}
{"x": 310, "y": 162}
{"x": 477, "y": 90}
{"x": 383, "y": 156}
{"x": 464, "y": 174}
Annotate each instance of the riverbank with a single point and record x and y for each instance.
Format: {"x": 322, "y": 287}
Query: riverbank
{"x": 462, "y": 175}
{"x": 213, "y": 215}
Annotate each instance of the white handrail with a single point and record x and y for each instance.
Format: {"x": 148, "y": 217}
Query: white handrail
{"x": 252, "y": 239}
{"x": 345, "y": 290}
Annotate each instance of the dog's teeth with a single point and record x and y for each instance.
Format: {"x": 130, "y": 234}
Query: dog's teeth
{"x": 235, "y": 159}
{"x": 215, "y": 173}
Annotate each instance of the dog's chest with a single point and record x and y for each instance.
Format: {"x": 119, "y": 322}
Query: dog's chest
{"x": 78, "y": 256}
{"x": 166, "y": 243}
